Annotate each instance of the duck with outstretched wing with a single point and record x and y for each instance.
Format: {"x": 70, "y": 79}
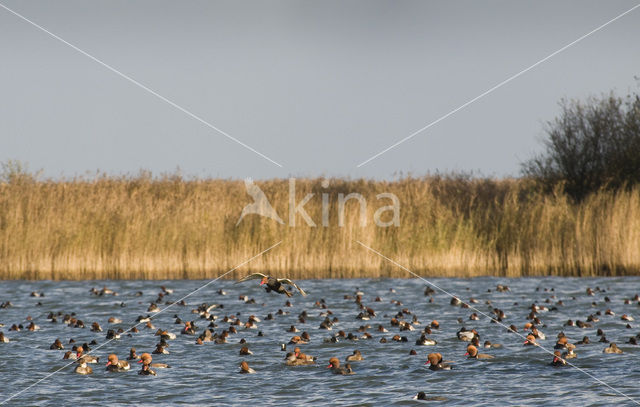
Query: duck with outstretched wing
{"x": 273, "y": 284}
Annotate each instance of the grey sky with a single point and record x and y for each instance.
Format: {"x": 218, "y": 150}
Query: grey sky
{"x": 317, "y": 86}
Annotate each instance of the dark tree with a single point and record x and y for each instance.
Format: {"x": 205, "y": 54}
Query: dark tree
{"x": 592, "y": 145}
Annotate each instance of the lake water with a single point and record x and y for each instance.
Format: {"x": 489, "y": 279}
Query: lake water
{"x": 388, "y": 375}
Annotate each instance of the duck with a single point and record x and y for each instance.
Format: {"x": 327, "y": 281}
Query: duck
{"x": 292, "y": 360}
{"x": 82, "y": 367}
{"x": 465, "y": 335}
{"x": 585, "y": 341}
{"x": 115, "y": 365}
{"x": 132, "y": 354}
{"x": 298, "y": 359}
{"x": 613, "y": 348}
{"x": 531, "y": 340}
{"x": 3, "y": 339}
{"x": 86, "y": 358}
{"x": 188, "y": 329}
{"x": 244, "y": 368}
{"x": 146, "y": 359}
{"x": 472, "y": 353}
{"x": 245, "y": 351}
{"x": 300, "y": 355}
{"x": 160, "y": 350}
{"x": 56, "y": 345}
{"x": 69, "y": 355}
{"x": 557, "y": 359}
{"x": 561, "y": 343}
{"x": 165, "y": 334}
{"x": 356, "y": 356}
{"x": 146, "y": 370}
{"x": 33, "y": 327}
{"x": 569, "y": 354}
{"x": 273, "y": 284}
{"x": 434, "y": 360}
{"x": 297, "y": 340}
{"x": 334, "y": 365}
{"x": 423, "y": 396}
{"x": 424, "y": 341}
{"x": 488, "y": 344}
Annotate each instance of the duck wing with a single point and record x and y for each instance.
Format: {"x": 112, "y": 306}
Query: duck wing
{"x": 254, "y": 276}
{"x": 291, "y": 283}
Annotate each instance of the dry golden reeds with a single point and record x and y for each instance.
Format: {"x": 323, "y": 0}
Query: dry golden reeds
{"x": 172, "y": 228}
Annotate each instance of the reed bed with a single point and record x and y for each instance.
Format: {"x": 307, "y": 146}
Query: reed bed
{"x": 140, "y": 227}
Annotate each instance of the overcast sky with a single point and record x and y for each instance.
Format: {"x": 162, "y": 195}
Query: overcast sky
{"x": 317, "y": 86}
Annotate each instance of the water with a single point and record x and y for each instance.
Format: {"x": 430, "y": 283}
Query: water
{"x": 207, "y": 374}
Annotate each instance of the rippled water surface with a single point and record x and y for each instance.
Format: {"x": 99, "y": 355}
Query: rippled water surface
{"x": 208, "y": 374}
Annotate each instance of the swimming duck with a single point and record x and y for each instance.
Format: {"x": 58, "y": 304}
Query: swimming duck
{"x": 334, "y": 365}
{"x": 70, "y": 355}
{"x": 57, "y": 345}
{"x": 613, "y": 348}
{"x": 115, "y": 365}
{"x": 165, "y": 334}
{"x": 561, "y": 343}
{"x": 569, "y": 354}
{"x": 465, "y": 335}
{"x": 82, "y": 367}
{"x": 472, "y": 353}
{"x": 488, "y": 344}
{"x": 87, "y": 358}
{"x": 132, "y": 354}
{"x": 292, "y": 360}
{"x": 424, "y": 341}
{"x": 302, "y": 356}
{"x": 244, "y": 368}
{"x": 434, "y": 360}
{"x": 423, "y": 396}
{"x": 160, "y": 350}
{"x": 531, "y": 340}
{"x": 557, "y": 359}
{"x": 356, "y": 356}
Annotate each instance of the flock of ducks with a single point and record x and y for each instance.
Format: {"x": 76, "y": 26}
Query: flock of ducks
{"x": 403, "y": 321}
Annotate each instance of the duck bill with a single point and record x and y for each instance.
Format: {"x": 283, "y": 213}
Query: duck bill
{"x": 140, "y": 361}
{"x": 108, "y": 363}
{"x": 555, "y": 359}
{"x": 466, "y": 354}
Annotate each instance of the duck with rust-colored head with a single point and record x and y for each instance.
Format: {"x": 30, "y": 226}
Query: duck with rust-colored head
{"x": 434, "y": 360}
{"x": 115, "y": 365}
{"x": 472, "y": 353}
{"x": 146, "y": 370}
{"x": 557, "y": 359}
{"x": 334, "y": 365}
